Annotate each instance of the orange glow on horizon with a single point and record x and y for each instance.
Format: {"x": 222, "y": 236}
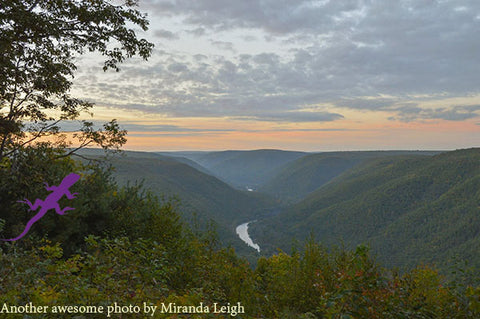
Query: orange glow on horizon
{"x": 392, "y": 135}
{"x": 357, "y": 131}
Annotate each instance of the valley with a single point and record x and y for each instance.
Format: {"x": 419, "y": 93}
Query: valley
{"x": 410, "y": 207}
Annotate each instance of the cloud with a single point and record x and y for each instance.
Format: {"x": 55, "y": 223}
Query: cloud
{"x": 274, "y": 16}
{"x": 261, "y": 87}
{"x": 71, "y": 126}
{"x": 388, "y": 45}
{"x": 165, "y": 34}
{"x": 165, "y": 128}
{"x": 411, "y": 113}
{"x": 197, "y": 31}
{"x": 179, "y": 134}
{"x": 372, "y": 104}
{"x": 224, "y": 45}
{"x": 318, "y": 130}
{"x": 376, "y": 56}
{"x": 297, "y": 117}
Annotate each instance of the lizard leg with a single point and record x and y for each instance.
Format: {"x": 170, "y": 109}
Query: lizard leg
{"x": 33, "y": 206}
{"x": 70, "y": 195}
{"x": 50, "y": 188}
{"x": 62, "y": 211}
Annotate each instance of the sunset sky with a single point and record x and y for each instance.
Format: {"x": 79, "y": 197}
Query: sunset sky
{"x": 298, "y": 75}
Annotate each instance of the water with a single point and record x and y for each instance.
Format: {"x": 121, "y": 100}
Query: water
{"x": 242, "y": 232}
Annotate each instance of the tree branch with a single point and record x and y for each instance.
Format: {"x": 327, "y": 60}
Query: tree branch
{"x": 36, "y": 136}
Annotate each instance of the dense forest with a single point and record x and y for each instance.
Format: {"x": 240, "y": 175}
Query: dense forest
{"x": 294, "y": 181}
{"x": 122, "y": 245}
{"x": 408, "y": 208}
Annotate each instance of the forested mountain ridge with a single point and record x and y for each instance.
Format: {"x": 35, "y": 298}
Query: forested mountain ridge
{"x": 298, "y": 178}
{"x": 410, "y": 209}
{"x": 97, "y": 153}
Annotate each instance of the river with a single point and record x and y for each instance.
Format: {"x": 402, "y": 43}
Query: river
{"x": 242, "y": 232}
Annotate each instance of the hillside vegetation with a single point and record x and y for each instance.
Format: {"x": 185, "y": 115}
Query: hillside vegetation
{"x": 410, "y": 209}
{"x": 202, "y": 198}
{"x": 297, "y": 179}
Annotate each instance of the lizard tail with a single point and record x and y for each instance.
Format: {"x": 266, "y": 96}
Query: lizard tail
{"x": 25, "y": 231}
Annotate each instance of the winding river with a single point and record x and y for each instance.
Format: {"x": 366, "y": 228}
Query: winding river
{"x": 242, "y": 232}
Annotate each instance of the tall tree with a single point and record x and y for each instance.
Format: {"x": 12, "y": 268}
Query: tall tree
{"x": 39, "y": 40}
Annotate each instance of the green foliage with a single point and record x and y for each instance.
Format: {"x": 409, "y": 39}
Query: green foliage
{"x": 102, "y": 208}
{"x": 108, "y": 271}
{"x": 121, "y": 245}
{"x": 315, "y": 284}
{"x": 343, "y": 284}
{"x": 24, "y": 177}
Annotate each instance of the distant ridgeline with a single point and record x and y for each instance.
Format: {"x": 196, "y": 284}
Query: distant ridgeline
{"x": 243, "y": 169}
{"x": 409, "y": 206}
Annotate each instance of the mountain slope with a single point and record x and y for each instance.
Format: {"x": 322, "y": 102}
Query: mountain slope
{"x": 410, "y": 209}
{"x": 99, "y": 153}
{"x": 297, "y": 179}
{"x": 202, "y": 197}
{"x": 246, "y": 168}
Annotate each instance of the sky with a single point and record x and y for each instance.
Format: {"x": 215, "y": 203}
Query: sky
{"x": 298, "y": 75}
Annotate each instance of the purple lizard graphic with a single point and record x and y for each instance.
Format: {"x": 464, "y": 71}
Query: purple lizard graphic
{"x": 50, "y": 202}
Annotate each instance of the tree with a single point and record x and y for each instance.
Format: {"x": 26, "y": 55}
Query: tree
{"x": 39, "y": 40}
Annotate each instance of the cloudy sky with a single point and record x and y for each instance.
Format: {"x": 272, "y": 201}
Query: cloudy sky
{"x": 301, "y": 75}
